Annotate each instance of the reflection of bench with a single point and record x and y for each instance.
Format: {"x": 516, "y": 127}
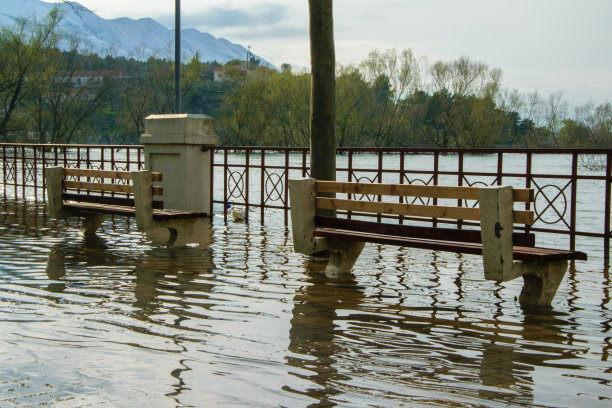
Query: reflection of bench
{"x": 93, "y": 194}
{"x": 542, "y": 268}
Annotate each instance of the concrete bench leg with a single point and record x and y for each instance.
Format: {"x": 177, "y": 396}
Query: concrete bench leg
{"x": 342, "y": 256}
{"x": 92, "y": 222}
{"x": 180, "y": 232}
{"x": 541, "y": 281}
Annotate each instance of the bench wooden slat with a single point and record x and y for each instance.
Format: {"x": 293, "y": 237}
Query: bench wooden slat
{"x": 100, "y": 187}
{"x": 519, "y": 253}
{"x": 93, "y": 173}
{"x": 122, "y": 201}
{"x": 107, "y": 174}
{"x": 106, "y": 187}
{"x": 96, "y": 208}
{"x": 431, "y": 211}
{"x": 402, "y": 230}
{"x": 171, "y": 214}
{"x": 522, "y": 195}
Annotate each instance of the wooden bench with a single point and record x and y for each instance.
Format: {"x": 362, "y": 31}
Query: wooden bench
{"x": 93, "y": 194}
{"x": 508, "y": 252}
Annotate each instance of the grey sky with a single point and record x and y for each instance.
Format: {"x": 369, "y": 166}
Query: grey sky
{"x": 544, "y": 45}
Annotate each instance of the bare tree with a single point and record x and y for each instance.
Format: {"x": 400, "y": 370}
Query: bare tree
{"x": 22, "y": 49}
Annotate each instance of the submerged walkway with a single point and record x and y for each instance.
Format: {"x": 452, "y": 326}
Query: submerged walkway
{"x": 83, "y": 319}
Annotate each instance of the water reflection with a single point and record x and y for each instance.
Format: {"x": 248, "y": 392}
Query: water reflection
{"x": 313, "y": 328}
{"x": 90, "y": 250}
{"x": 508, "y": 362}
{"x": 100, "y": 320}
{"x": 340, "y": 336}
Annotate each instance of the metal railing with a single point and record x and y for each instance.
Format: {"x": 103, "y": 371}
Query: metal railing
{"x": 23, "y": 164}
{"x": 572, "y": 186}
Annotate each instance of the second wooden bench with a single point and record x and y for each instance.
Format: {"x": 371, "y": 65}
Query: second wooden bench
{"x": 93, "y": 194}
{"x": 495, "y": 237}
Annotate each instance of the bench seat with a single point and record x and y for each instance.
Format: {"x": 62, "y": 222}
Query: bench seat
{"x": 109, "y": 209}
{"x": 519, "y": 253}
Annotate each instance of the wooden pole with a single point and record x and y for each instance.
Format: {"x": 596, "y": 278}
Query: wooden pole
{"x": 323, "y": 95}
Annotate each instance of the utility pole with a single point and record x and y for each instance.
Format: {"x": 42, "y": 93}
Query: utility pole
{"x": 177, "y": 57}
{"x": 323, "y": 97}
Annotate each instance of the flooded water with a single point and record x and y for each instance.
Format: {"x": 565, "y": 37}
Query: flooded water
{"x": 114, "y": 320}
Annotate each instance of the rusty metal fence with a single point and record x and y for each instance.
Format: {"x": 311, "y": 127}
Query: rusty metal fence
{"x": 573, "y": 187}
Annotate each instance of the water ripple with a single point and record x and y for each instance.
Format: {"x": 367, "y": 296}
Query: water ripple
{"x": 114, "y": 320}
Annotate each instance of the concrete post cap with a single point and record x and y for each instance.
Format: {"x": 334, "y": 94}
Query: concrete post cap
{"x": 182, "y": 128}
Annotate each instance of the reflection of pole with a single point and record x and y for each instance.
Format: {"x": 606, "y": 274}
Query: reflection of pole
{"x": 177, "y": 56}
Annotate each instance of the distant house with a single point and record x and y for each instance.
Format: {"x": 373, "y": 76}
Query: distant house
{"x": 221, "y": 74}
{"x": 82, "y": 78}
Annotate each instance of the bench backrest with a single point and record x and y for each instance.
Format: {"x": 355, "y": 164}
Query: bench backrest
{"x": 356, "y": 191}
{"x": 493, "y": 207}
{"x": 107, "y": 187}
{"x": 104, "y": 186}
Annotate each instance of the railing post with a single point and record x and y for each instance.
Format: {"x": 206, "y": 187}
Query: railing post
{"x": 304, "y": 154}
{"x": 247, "y": 182}
{"x": 225, "y": 181}
{"x": 574, "y": 194}
{"x": 528, "y": 167}
{"x": 212, "y": 178}
{"x": 500, "y": 166}
{"x": 262, "y": 189}
{"x": 380, "y": 169}
{"x": 460, "y": 183}
{"x": 401, "y": 181}
{"x": 286, "y": 192}
{"x": 15, "y": 170}
{"x": 23, "y": 172}
{"x": 4, "y": 168}
{"x": 436, "y": 171}
{"x": 140, "y": 163}
{"x": 607, "y": 209}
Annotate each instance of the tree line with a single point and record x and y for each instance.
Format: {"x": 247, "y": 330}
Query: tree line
{"x": 391, "y": 99}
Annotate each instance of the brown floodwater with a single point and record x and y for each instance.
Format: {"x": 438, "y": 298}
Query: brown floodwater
{"x": 115, "y": 320}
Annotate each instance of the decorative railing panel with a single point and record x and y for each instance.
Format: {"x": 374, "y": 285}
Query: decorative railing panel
{"x": 572, "y": 187}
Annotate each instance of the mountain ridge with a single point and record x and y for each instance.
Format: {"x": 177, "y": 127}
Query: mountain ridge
{"x": 131, "y": 38}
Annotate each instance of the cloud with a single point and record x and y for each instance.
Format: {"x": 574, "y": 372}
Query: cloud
{"x": 267, "y": 19}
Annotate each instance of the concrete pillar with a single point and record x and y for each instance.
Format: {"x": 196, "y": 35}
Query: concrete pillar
{"x": 181, "y": 146}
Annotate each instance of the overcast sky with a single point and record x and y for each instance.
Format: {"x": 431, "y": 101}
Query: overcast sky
{"x": 544, "y": 45}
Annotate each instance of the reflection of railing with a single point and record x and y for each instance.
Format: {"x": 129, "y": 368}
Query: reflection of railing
{"x": 256, "y": 177}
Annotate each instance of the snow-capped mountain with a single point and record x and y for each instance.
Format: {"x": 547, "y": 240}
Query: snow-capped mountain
{"x": 139, "y": 39}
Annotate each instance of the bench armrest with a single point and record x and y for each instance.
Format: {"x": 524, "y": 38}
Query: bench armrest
{"x": 54, "y": 178}
{"x": 302, "y": 194}
{"x": 497, "y": 227}
{"x": 143, "y": 198}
